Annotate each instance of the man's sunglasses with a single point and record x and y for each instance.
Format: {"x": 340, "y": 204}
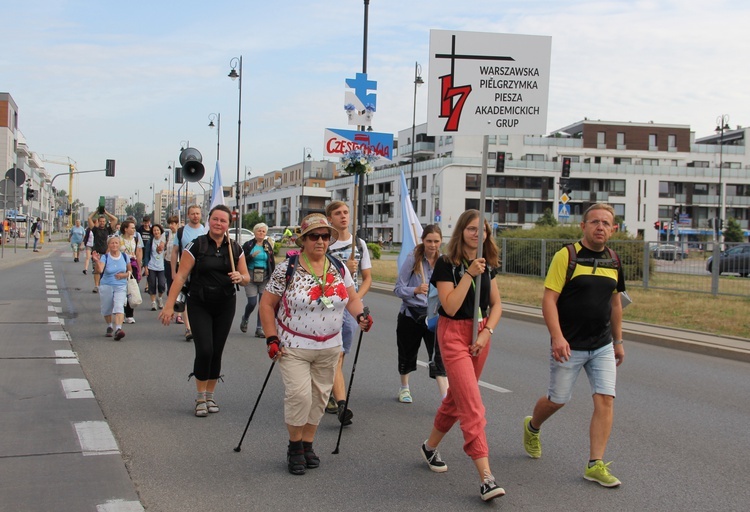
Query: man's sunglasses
{"x": 317, "y": 236}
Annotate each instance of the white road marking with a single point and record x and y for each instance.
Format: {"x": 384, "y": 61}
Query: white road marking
{"x": 59, "y": 336}
{"x": 96, "y": 438}
{"x": 53, "y": 320}
{"x": 53, "y": 309}
{"x": 77, "y": 388}
{"x": 51, "y": 287}
{"x": 53, "y": 292}
{"x": 120, "y": 506}
{"x": 481, "y": 382}
{"x": 54, "y": 300}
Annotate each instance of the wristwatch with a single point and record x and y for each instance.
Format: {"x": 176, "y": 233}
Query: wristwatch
{"x": 492, "y": 331}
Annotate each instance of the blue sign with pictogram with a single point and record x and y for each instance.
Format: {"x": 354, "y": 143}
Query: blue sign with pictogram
{"x": 563, "y": 211}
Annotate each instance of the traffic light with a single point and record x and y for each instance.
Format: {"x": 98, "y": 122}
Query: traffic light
{"x": 657, "y": 225}
{"x": 30, "y": 195}
{"x": 721, "y": 224}
{"x": 566, "y": 167}
{"x": 500, "y": 162}
{"x": 109, "y": 170}
{"x": 711, "y": 223}
{"x": 178, "y": 175}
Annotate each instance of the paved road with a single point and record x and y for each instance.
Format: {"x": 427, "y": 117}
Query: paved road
{"x": 679, "y": 443}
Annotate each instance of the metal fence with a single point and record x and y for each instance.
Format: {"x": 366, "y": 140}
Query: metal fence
{"x": 659, "y": 265}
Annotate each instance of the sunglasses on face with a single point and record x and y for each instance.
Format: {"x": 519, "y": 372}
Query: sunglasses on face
{"x": 318, "y": 236}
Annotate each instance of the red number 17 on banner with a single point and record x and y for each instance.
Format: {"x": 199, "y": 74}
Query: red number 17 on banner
{"x": 452, "y": 100}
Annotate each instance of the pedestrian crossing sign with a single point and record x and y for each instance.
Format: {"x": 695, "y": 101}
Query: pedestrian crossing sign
{"x": 563, "y": 211}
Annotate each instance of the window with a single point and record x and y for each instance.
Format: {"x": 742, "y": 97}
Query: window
{"x": 650, "y": 162}
{"x": 448, "y": 139}
{"x": 471, "y": 204}
{"x": 534, "y": 158}
{"x": 424, "y": 183}
{"x": 700, "y": 189}
{"x": 601, "y": 140}
{"x": 493, "y": 139}
{"x": 619, "y": 210}
{"x": 620, "y": 139}
{"x": 672, "y": 141}
{"x": 422, "y": 207}
{"x": 473, "y": 181}
{"x": 652, "y": 145}
{"x": 623, "y": 161}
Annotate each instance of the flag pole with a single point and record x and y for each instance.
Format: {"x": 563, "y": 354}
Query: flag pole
{"x": 480, "y": 247}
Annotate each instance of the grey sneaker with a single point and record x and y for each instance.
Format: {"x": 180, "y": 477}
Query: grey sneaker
{"x": 433, "y": 460}
{"x": 259, "y": 333}
{"x": 243, "y": 324}
{"x": 109, "y": 332}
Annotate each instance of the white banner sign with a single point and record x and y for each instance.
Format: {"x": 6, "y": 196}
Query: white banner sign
{"x": 488, "y": 84}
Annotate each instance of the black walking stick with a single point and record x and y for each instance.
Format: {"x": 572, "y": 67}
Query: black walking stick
{"x": 366, "y": 313}
{"x": 238, "y": 447}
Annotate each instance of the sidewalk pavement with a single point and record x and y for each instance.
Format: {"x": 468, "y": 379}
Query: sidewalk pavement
{"x": 58, "y": 451}
{"x": 727, "y": 347}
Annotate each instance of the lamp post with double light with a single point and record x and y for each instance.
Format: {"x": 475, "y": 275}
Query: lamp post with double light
{"x": 235, "y": 73}
{"x": 417, "y": 82}
{"x": 722, "y": 125}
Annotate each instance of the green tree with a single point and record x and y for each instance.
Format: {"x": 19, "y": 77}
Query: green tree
{"x": 137, "y": 210}
{"x": 547, "y": 219}
{"x": 733, "y": 231}
{"x": 249, "y": 220}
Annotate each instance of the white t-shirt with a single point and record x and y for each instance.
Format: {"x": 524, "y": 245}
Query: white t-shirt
{"x": 156, "y": 262}
{"x": 172, "y": 238}
{"x": 343, "y": 250}
{"x": 302, "y": 311}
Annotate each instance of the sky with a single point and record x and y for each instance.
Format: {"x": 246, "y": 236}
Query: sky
{"x": 131, "y": 81}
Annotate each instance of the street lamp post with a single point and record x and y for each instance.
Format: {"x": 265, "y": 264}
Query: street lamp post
{"x": 211, "y": 118}
{"x": 306, "y": 157}
{"x": 236, "y": 72}
{"x": 417, "y": 82}
{"x": 722, "y": 125}
{"x": 153, "y": 200}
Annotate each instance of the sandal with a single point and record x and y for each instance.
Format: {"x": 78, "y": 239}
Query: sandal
{"x": 211, "y": 404}
{"x": 201, "y": 410}
{"x": 404, "y": 396}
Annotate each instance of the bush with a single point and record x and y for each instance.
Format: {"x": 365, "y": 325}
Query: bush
{"x": 374, "y": 250}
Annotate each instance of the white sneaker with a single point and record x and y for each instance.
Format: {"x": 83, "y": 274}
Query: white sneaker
{"x": 153, "y": 306}
{"x": 130, "y": 320}
{"x": 161, "y": 303}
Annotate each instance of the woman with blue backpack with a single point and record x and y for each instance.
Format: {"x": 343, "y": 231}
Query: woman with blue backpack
{"x": 412, "y": 287}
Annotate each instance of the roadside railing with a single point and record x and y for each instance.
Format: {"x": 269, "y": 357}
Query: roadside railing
{"x": 658, "y": 265}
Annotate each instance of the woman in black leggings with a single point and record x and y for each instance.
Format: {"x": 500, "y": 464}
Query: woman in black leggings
{"x": 211, "y": 300}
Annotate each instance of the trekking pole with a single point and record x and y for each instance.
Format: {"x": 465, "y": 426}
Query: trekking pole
{"x": 238, "y": 447}
{"x": 366, "y": 313}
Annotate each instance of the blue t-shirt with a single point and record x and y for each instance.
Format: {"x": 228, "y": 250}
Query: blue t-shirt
{"x": 259, "y": 257}
{"x": 189, "y": 234}
{"x": 114, "y": 266}
{"x": 76, "y": 234}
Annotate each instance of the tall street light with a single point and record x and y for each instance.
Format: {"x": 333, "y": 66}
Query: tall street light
{"x": 417, "y": 82}
{"x": 306, "y": 157}
{"x": 722, "y": 125}
{"x": 236, "y": 72}
{"x": 217, "y": 118}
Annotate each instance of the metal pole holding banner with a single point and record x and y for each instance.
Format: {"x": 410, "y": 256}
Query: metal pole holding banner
{"x": 480, "y": 246}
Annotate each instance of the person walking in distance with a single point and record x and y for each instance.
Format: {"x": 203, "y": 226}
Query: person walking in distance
{"x": 157, "y": 282}
{"x": 411, "y": 287}
{"x": 583, "y": 313}
{"x": 75, "y": 239}
{"x": 132, "y": 246}
{"x": 215, "y": 266}
{"x": 260, "y": 262}
{"x": 144, "y": 233}
{"x": 184, "y": 236}
{"x": 351, "y": 251}
{"x": 101, "y": 230}
{"x": 456, "y": 276}
{"x": 36, "y": 232}
{"x": 171, "y": 237}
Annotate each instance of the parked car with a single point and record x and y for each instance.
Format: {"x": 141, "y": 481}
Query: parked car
{"x": 669, "y": 252}
{"x": 735, "y": 260}
{"x": 245, "y": 235}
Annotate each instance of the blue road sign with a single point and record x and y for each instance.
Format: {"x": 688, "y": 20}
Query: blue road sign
{"x": 563, "y": 211}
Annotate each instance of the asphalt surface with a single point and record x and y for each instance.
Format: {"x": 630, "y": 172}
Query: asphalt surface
{"x": 679, "y": 441}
